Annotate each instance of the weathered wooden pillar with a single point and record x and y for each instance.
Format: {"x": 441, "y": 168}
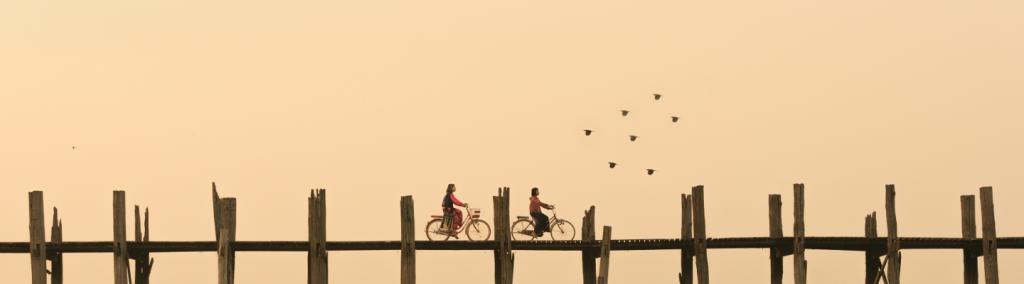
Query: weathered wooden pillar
{"x": 686, "y": 253}
{"x": 37, "y": 236}
{"x": 225, "y": 241}
{"x": 892, "y": 238}
{"x": 408, "y": 241}
{"x": 120, "y": 240}
{"x": 57, "y": 257}
{"x": 317, "y": 253}
{"x": 799, "y": 262}
{"x": 589, "y": 255}
{"x": 700, "y": 248}
{"x": 988, "y": 236}
{"x": 143, "y": 263}
{"x": 606, "y": 244}
{"x": 970, "y": 233}
{"x": 872, "y": 265}
{"x": 775, "y": 232}
{"x": 503, "y": 258}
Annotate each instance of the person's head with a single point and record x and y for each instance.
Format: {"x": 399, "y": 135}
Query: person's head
{"x": 451, "y": 188}
{"x": 534, "y": 191}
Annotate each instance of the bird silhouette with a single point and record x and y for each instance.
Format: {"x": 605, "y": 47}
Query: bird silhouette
{"x": 632, "y": 138}
{"x": 625, "y": 112}
{"x": 587, "y": 132}
{"x": 657, "y": 97}
{"x": 675, "y": 119}
{"x": 611, "y": 165}
{"x": 650, "y": 171}
{"x": 72, "y": 147}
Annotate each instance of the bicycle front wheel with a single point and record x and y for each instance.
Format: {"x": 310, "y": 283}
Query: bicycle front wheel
{"x": 478, "y": 230}
{"x": 522, "y": 230}
{"x": 562, "y": 230}
{"x": 435, "y": 233}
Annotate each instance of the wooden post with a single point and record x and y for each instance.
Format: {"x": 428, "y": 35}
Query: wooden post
{"x": 225, "y": 251}
{"x": 686, "y": 273}
{"x": 120, "y": 240}
{"x": 970, "y": 233}
{"x": 37, "y": 236}
{"x": 503, "y": 258}
{"x": 775, "y": 232}
{"x": 57, "y": 260}
{"x": 317, "y": 254}
{"x": 216, "y": 213}
{"x": 799, "y": 262}
{"x": 871, "y": 263}
{"x": 589, "y": 255}
{"x": 143, "y": 263}
{"x": 988, "y": 236}
{"x": 606, "y": 244}
{"x": 700, "y": 235}
{"x": 893, "y": 241}
{"x": 408, "y": 241}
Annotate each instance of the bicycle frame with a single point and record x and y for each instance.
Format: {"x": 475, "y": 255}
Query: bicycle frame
{"x": 466, "y": 219}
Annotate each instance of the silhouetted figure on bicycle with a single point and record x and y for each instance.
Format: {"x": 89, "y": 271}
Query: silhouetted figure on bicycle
{"x": 448, "y": 207}
{"x": 540, "y": 220}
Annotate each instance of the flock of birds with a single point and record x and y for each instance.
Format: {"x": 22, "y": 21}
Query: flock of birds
{"x": 632, "y": 137}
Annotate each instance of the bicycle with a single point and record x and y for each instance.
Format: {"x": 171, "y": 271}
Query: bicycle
{"x": 475, "y": 228}
{"x": 560, "y": 230}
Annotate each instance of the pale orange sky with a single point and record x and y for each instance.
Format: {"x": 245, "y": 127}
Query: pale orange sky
{"x": 377, "y": 99}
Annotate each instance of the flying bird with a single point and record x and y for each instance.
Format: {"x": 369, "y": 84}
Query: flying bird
{"x": 587, "y": 132}
{"x": 625, "y": 112}
{"x": 675, "y": 119}
{"x": 650, "y": 171}
{"x": 657, "y": 97}
{"x": 611, "y": 165}
{"x": 73, "y": 147}
{"x": 632, "y": 138}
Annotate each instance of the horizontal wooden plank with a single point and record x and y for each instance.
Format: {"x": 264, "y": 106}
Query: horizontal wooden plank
{"x": 816, "y": 243}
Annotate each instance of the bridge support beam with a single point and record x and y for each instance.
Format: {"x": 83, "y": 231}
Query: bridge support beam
{"x": 775, "y": 232}
{"x": 408, "y": 241}
{"x": 589, "y": 255}
{"x": 686, "y": 253}
{"x": 799, "y": 262}
{"x": 700, "y": 248}
{"x": 988, "y": 236}
{"x": 316, "y": 257}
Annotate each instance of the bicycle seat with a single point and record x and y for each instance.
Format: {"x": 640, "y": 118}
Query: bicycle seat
{"x": 436, "y": 216}
{"x": 523, "y": 217}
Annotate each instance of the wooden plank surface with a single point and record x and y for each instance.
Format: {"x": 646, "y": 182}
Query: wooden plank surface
{"x": 408, "y": 240}
{"x": 37, "y": 236}
{"x": 988, "y": 236}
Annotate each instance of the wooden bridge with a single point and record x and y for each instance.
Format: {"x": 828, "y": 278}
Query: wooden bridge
{"x": 881, "y": 254}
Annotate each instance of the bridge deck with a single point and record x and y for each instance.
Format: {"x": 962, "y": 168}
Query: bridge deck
{"x": 786, "y": 243}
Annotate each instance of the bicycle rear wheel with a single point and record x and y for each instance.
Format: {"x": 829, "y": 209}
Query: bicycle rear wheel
{"x": 478, "y": 230}
{"x": 522, "y": 230}
{"x": 562, "y": 230}
{"x": 435, "y": 233}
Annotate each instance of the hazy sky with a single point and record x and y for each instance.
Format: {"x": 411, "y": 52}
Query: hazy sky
{"x": 377, "y": 99}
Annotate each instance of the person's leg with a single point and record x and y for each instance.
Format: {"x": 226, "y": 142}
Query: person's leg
{"x": 458, "y": 220}
{"x": 540, "y": 222}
